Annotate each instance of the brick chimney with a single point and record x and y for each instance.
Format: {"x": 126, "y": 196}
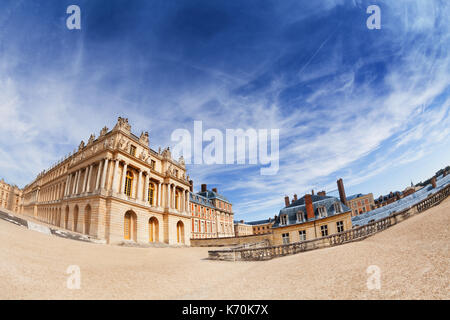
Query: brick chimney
{"x": 321, "y": 193}
{"x": 286, "y": 200}
{"x": 295, "y": 197}
{"x": 191, "y": 185}
{"x": 433, "y": 182}
{"x": 203, "y": 187}
{"x": 309, "y": 206}
{"x": 214, "y": 190}
{"x": 340, "y": 185}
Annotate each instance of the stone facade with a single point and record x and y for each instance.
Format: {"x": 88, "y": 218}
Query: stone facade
{"x": 116, "y": 188}
{"x": 310, "y": 217}
{"x": 242, "y": 229}
{"x": 10, "y": 197}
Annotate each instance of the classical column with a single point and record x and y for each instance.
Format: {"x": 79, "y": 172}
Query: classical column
{"x": 66, "y": 190}
{"x": 124, "y": 174}
{"x": 159, "y": 195}
{"x": 105, "y": 167}
{"x": 69, "y": 180}
{"x": 83, "y": 187}
{"x": 182, "y": 201}
{"x": 146, "y": 186}
{"x": 80, "y": 172}
{"x": 138, "y": 187}
{"x": 114, "y": 180}
{"x": 99, "y": 173}
{"x": 168, "y": 196}
{"x": 75, "y": 182}
{"x": 88, "y": 184}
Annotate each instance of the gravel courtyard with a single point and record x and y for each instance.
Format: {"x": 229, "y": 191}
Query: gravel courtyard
{"x": 413, "y": 258}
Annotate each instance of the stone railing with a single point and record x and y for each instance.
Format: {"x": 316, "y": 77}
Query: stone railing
{"x": 355, "y": 234}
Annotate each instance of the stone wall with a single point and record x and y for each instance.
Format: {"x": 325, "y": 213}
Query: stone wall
{"x": 232, "y": 241}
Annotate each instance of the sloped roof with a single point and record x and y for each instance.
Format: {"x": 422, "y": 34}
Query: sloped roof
{"x": 299, "y": 206}
{"x": 199, "y": 199}
{"x": 213, "y": 195}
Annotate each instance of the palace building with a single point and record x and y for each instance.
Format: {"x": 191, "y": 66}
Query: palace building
{"x": 10, "y": 197}
{"x": 212, "y": 214}
{"x": 116, "y": 188}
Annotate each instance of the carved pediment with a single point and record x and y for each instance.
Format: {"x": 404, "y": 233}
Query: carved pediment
{"x": 81, "y": 146}
{"x": 91, "y": 139}
{"x": 122, "y": 124}
{"x": 104, "y": 131}
{"x": 166, "y": 153}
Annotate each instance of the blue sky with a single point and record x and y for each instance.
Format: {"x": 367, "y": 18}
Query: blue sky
{"x": 370, "y": 106}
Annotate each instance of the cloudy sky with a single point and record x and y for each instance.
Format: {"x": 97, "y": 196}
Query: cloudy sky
{"x": 370, "y": 106}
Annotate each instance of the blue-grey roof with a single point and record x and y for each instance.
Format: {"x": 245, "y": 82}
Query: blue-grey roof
{"x": 358, "y": 195}
{"x": 299, "y": 206}
{"x": 213, "y": 195}
{"x": 199, "y": 199}
{"x": 402, "y": 204}
{"x": 255, "y": 223}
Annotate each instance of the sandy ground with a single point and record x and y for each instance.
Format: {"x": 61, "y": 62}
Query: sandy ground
{"x": 413, "y": 258}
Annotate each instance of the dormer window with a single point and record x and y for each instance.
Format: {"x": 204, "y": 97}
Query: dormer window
{"x": 300, "y": 216}
{"x": 283, "y": 219}
{"x": 337, "y": 207}
{"x": 322, "y": 212}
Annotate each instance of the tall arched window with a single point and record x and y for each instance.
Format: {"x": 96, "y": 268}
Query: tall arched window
{"x": 129, "y": 183}
{"x": 177, "y": 200}
{"x": 151, "y": 193}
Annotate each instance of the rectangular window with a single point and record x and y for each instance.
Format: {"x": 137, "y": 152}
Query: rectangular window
{"x": 133, "y": 150}
{"x": 285, "y": 238}
{"x": 152, "y": 164}
{"x": 302, "y": 234}
{"x": 284, "y": 219}
{"x": 324, "y": 230}
{"x": 340, "y": 226}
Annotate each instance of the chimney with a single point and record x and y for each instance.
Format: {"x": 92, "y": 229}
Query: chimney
{"x": 341, "y": 189}
{"x": 309, "y": 206}
{"x": 203, "y": 187}
{"x": 242, "y": 221}
{"x": 286, "y": 200}
{"x": 191, "y": 185}
{"x": 321, "y": 193}
{"x": 214, "y": 190}
{"x": 312, "y": 191}
{"x": 433, "y": 182}
{"x": 295, "y": 197}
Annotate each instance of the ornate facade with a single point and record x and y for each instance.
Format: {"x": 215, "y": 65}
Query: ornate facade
{"x": 116, "y": 188}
